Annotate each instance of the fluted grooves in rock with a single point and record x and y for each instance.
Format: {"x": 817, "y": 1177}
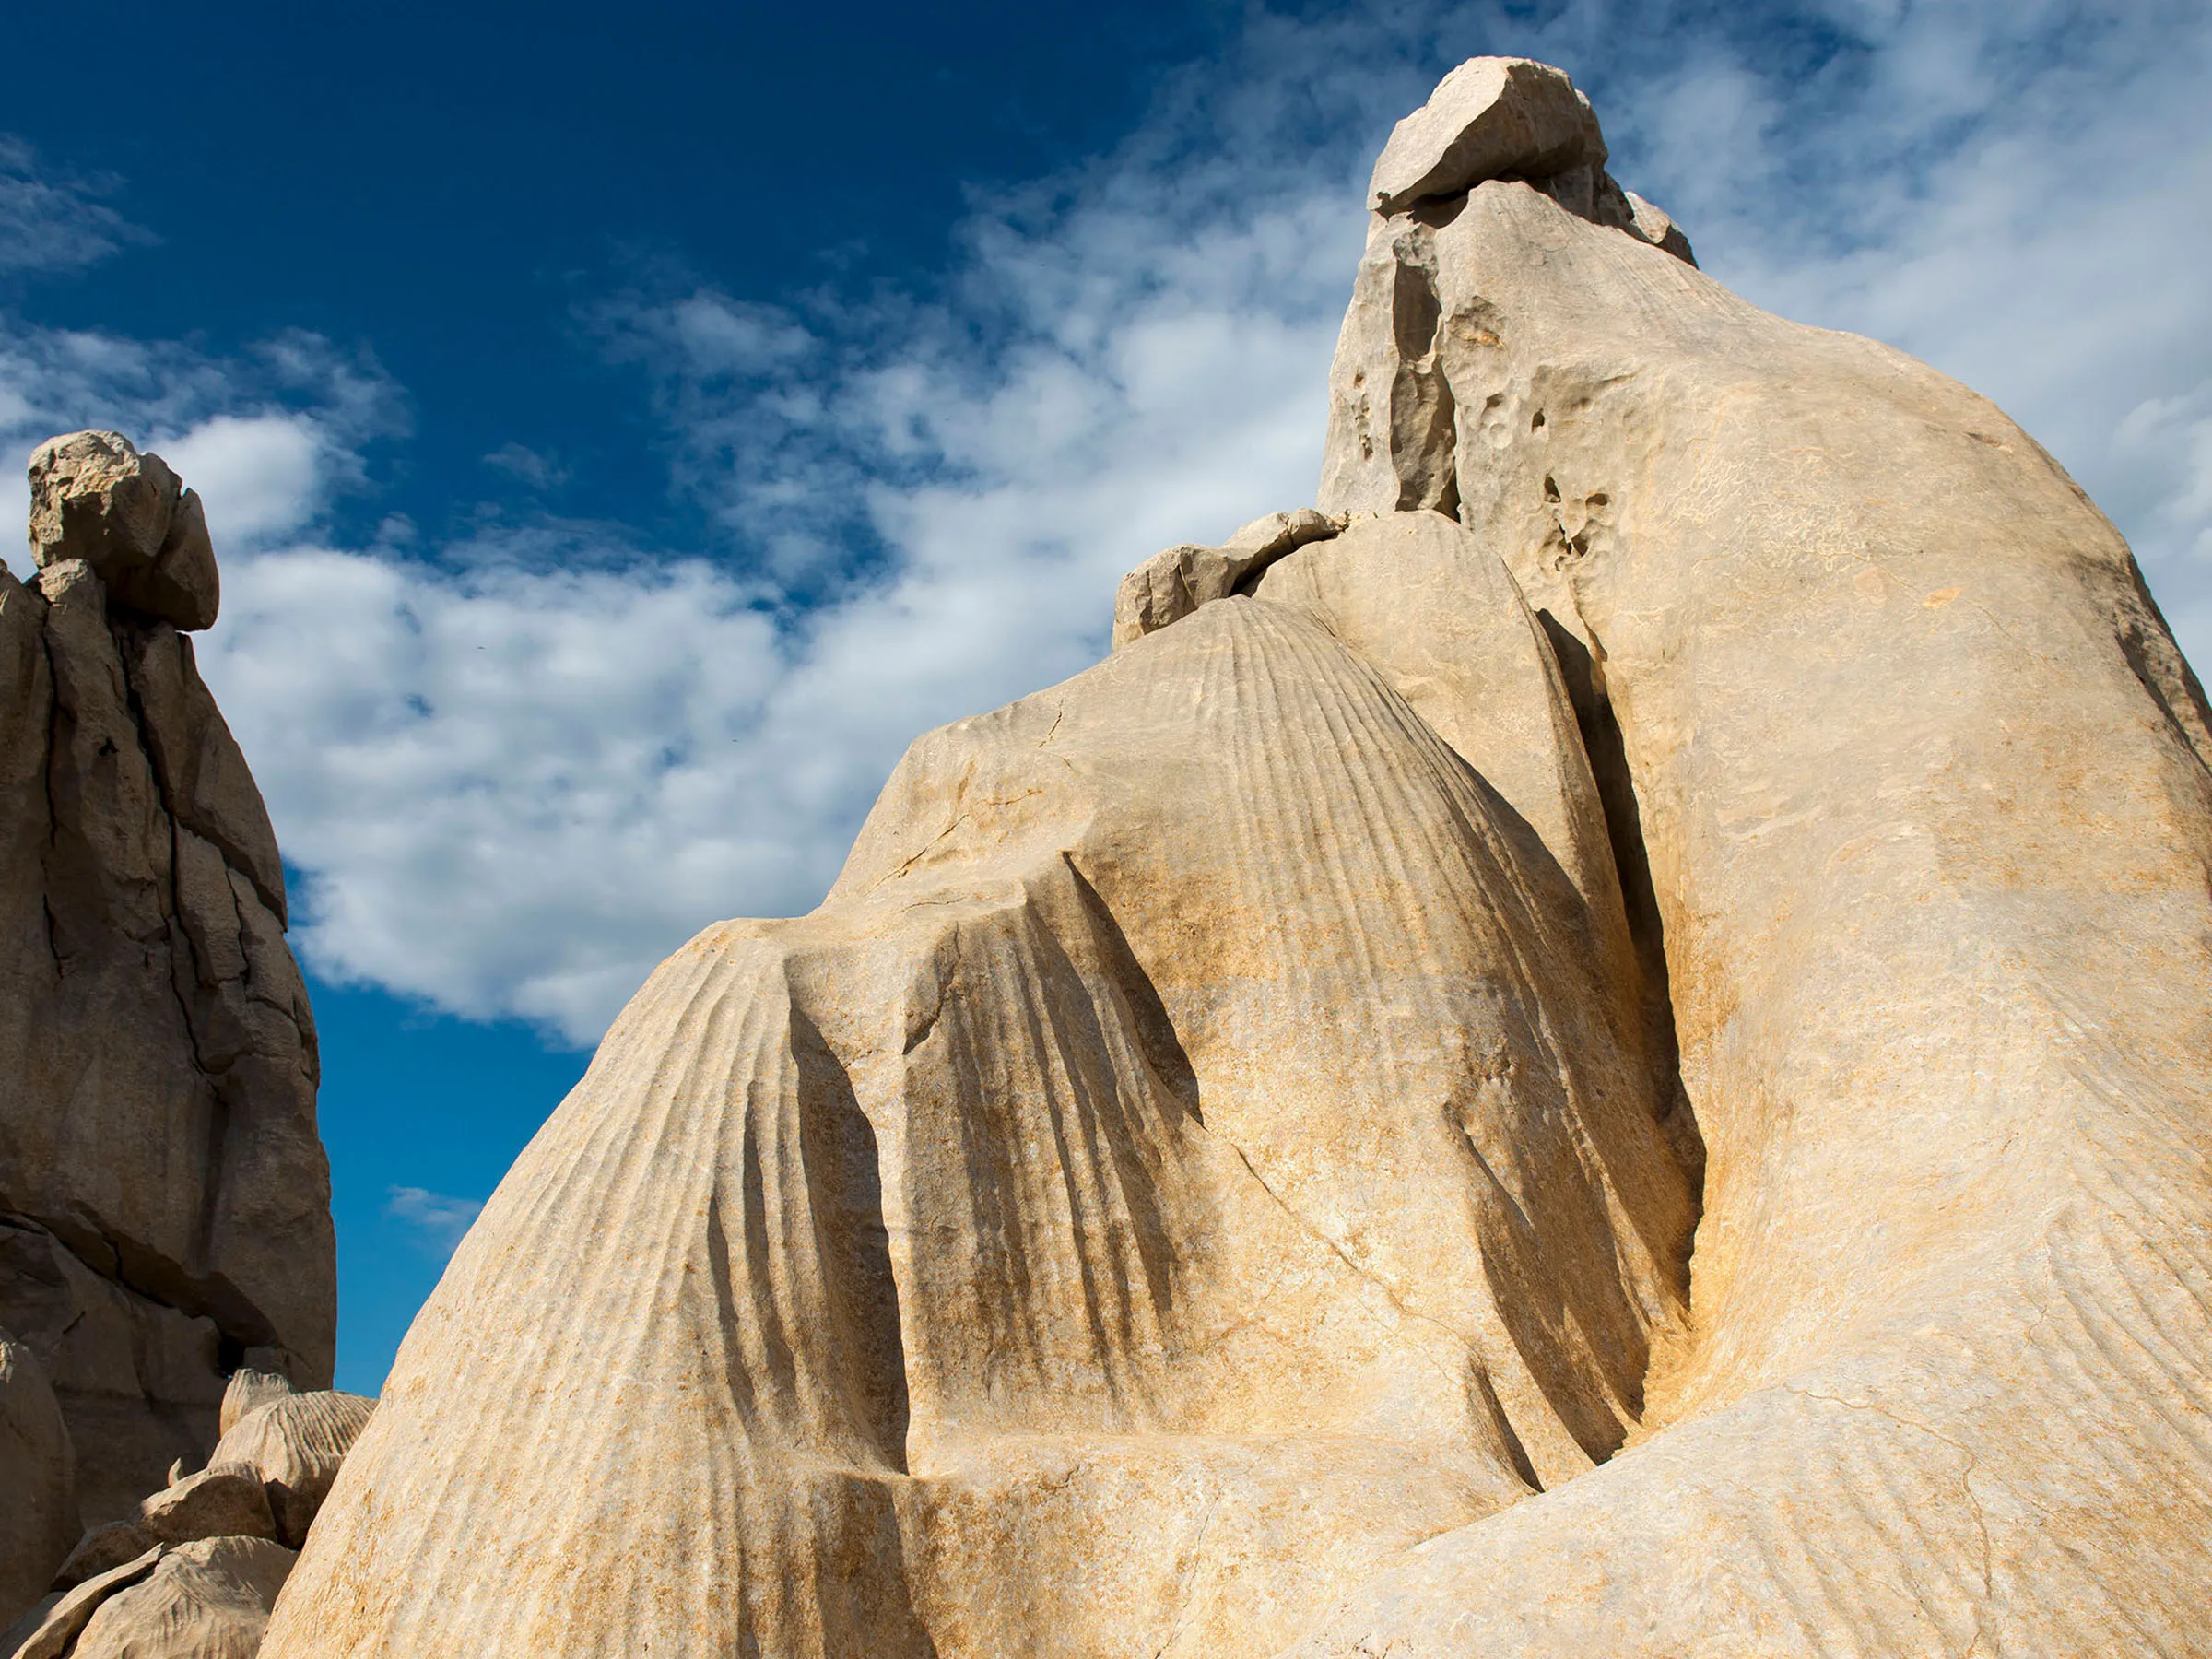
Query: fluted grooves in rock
{"x": 1215, "y": 1175}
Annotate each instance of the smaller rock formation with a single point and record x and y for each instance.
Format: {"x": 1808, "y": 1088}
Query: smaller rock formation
{"x": 1490, "y": 118}
{"x": 294, "y": 1445}
{"x": 164, "y": 1197}
{"x": 96, "y": 498}
{"x": 195, "y": 1573}
{"x": 207, "y": 1599}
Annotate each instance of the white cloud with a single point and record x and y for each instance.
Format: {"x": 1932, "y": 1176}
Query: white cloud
{"x": 262, "y": 475}
{"x": 52, "y": 221}
{"x": 518, "y": 772}
{"x": 439, "y": 1220}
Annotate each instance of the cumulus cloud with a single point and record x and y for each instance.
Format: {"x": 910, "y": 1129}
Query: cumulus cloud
{"x": 512, "y": 772}
{"x": 438, "y": 1219}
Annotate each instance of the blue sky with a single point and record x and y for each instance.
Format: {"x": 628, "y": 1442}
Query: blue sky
{"x": 624, "y": 429}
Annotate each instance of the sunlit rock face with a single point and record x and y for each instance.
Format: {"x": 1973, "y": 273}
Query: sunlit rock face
{"x": 164, "y": 1197}
{"x": 1596, "y": 1047}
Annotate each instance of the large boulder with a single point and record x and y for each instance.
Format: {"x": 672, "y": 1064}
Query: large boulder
{"x": 95, "y": 498}
{"x": 38, "y": 1480}
{"x": 1490, "y": 118}
{"x": 164, "y": 1197}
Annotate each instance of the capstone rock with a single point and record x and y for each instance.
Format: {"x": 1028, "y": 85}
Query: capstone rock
{"x": 95, "y": 498}
{"x": 1490, "y": 118}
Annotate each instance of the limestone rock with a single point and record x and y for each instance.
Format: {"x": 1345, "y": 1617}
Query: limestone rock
{"x": 1171, "y": 585}
{"x": 95, "y": 498}
{"x": 247, "y": 1390}
{"x": 294, "y": 1445}
{"x": 164, "y": 1197}
{"x": 1490, "y": 118}
{"x": 38, "y": 1480}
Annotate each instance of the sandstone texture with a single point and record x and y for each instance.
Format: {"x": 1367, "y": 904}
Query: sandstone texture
{"x": 164, "y": 1197}
{"x": 1604, "y": 1056}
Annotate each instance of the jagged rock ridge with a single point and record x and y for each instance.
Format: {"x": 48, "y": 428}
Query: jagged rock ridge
{"x": 1217, "y": 1173}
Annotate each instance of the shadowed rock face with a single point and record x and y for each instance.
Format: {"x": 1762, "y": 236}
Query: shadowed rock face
{"x": 1217, "y": 1174}
{"x": 164, "y": 1198}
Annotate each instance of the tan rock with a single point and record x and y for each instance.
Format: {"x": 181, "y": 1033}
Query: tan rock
{"x": 164, "y": 1197}
{"x": 1391, "y": 415}
{"x": 1208, "y": 1179}
{"x": 1146, "y": 1192}
{"x": 95, "y": 498}
{"x": 203, "y": 1600}
{"x": 1923, "y": 784}
{"x": 138, "y": 1382}
{"x": 247, "y": 1390}
{"x": 38, "y": 1480}
{"x": 54, "y": 1636}
{"x": 1171, "y": 585}
{"x": 223, "y": 1500}
{"x": 1490, "y": 118}
{"x": 295, "y": 1444}
{"x": 103, "y": 1548}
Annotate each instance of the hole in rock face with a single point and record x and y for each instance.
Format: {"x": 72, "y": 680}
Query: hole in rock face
{"x": 1598, "y": 500}
{"x": 1551, "y": 487}
{"x": 1535, "y": 423}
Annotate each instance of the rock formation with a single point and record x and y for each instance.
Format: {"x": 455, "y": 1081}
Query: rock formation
{"x": 164, "y": 1198}
{"x": 1598, "y": 1049}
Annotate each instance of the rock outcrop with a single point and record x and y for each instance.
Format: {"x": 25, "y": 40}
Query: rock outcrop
{"x": 1218, "y": 1174}
{"x": 164, "y": 1197}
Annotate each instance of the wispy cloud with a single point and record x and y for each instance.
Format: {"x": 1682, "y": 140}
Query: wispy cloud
{"x": 438, "y": 1219}
{"x": 516, "y": 769}
{"x": 51, "y": 219}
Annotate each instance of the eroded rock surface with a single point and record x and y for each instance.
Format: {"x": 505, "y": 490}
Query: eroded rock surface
{"x": 164, "y": 1198}
{"x": 1217, "y": 1173}
{"x": 1195, "y": 1151}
